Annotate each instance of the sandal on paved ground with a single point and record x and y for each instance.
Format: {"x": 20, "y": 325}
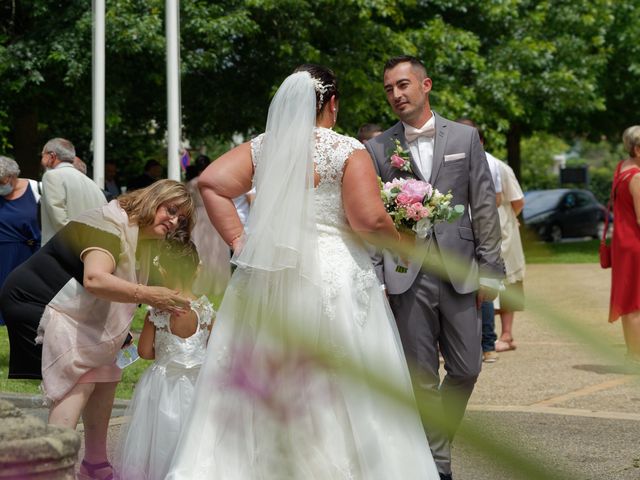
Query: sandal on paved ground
{"x": 504, "y": 346}
{"x": 92, "y": 468}
{"x": 489, "y": 357}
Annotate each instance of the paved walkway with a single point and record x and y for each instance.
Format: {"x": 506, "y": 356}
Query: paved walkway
{"x": 553, "y": 398}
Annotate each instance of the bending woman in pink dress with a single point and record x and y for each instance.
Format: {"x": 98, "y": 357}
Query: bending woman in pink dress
{"x": 77, "y": 295}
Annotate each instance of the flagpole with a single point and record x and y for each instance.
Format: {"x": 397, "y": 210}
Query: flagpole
{"x": 98, "y": 90}
{"x": 173, "y": 88}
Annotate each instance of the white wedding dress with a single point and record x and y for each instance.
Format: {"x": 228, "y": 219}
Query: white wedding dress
{"x": 264, "y": 410}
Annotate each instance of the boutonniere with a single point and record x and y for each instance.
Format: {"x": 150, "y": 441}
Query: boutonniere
{"x": 400, "y": 158}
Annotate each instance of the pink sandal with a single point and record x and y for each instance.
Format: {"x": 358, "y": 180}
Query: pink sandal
{"x": 504, "y": 346}
{"x": 92, "y": 468}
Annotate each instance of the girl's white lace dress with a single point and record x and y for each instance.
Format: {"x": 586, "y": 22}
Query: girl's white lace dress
{"x": 262, "y": 412}
{"x": 163, "y": 397}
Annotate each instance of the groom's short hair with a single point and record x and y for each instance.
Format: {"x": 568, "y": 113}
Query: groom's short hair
{"x": 417, "y": 65}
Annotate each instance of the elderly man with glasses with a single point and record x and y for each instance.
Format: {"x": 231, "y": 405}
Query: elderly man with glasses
{"x": 66, "y": 192}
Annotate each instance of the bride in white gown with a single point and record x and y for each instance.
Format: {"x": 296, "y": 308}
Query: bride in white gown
{"x": 276, "y": 397}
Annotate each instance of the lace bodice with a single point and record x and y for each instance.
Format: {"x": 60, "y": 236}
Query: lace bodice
{"x": 331, "y": 152}
{"x": 344, "y": 261}
{"x": 171, "y": 350}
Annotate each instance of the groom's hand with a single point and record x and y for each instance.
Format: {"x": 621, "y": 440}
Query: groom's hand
{"x": 485, "y": 294}
{"x": 406, "y": 244}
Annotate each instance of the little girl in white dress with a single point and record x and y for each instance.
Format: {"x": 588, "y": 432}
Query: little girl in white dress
{"x": 163, "y": 395}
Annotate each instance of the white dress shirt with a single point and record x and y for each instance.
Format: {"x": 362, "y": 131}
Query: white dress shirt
{"x": 422, "y": 149}
{"x": 495, "y": 172}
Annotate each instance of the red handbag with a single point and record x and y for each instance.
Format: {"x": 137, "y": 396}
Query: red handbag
{"x": 604, "y": 251}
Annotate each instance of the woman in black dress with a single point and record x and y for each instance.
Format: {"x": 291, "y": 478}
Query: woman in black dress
{"x": 69, "y": 307}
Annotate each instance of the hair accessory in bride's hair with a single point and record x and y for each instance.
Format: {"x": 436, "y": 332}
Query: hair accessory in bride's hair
{"x": 321, "y": 88}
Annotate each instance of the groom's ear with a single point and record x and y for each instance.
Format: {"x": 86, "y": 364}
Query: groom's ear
{"x": 426, "y": 85}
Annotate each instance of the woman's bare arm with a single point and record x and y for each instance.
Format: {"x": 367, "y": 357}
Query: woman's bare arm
{"x": 634, "y": 188}
{"x": 517, "y": 206}
{"x": 99, "y": 280}
{"x": 223, "y": 180}
{"x": 361, "y": 196}
{"x": 146, "y": 348}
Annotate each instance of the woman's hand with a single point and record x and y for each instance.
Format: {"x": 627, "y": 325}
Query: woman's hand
{"x": 238, "y": 243}
{"x": 164, "y": 299}
{"x": 100, "y": 281}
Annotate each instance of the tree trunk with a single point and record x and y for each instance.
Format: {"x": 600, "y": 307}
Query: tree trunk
{"x": 513, "y": 148}
{"x": 26, "y": 141}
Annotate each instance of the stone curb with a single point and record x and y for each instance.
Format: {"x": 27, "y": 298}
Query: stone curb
{"x": 25, "y": 401}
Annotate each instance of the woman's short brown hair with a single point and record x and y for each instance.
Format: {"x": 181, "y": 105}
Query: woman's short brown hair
{"x": 141, "y": 205}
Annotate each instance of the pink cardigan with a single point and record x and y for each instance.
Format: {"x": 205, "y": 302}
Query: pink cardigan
{"x": 80, "y": 331}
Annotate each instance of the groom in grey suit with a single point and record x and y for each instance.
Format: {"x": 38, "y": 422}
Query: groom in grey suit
{"x": 436, "y": 307}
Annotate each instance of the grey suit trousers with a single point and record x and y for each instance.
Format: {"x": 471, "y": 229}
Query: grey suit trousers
{"x": 432, "y": 317}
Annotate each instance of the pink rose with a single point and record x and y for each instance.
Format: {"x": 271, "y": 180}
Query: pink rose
{"x": 415, "y": 191}
{"x": 403, "y": 199}
{"x": 396, "y": 182}
{"x": 417, "y": 211}
{"x": 397, "y": 161}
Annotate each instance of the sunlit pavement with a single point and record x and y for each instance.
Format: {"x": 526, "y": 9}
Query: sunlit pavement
{"x": 553, "y": 398}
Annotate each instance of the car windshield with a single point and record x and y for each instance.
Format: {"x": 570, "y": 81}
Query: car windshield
{"x": 540, "y": 201}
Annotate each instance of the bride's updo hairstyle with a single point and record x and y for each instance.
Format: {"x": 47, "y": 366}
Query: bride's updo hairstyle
{"x": 326, "y": 83}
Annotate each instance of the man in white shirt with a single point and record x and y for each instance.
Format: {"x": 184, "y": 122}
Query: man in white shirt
{"x": 489, "y": 337}
{"x": 491, "y": 160}
{"x": 66, "y": 192}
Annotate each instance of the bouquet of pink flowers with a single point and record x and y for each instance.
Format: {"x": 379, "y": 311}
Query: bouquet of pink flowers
{"x": 415, "y": 205}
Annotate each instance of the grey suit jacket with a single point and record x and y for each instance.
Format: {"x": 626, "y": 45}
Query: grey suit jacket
{"x": 472, "y": 241}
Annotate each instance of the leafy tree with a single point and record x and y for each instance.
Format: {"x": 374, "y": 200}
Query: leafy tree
{"x": 601, "y": 159}
{"x": 46, "y": 87}
{"x": 514, "y": 66}
{"x": 538, "y": 152}
{"x": 234, "y": 54}
{"x": 41, "y": 60}
{"x": 620, "y": 81}
{"x": 271, "y": 40}
{"x": 538, "y": 66}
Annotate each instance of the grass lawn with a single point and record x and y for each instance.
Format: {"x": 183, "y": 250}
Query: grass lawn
{"x": 569, "y": 252}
